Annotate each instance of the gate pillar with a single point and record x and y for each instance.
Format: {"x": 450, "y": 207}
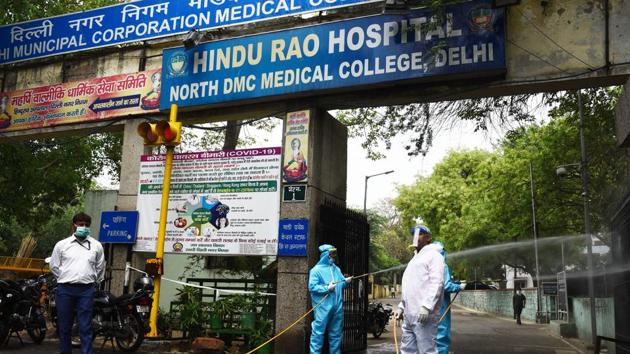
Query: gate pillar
{"x": 327, "y": 161}
{"x": 133, "y": 148}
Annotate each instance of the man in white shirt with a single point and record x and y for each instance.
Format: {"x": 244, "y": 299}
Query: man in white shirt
{"x": 78, "y": 264}
{"x": 422, "y": 292}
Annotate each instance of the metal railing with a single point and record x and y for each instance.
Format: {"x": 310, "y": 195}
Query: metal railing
{"x": 598, "y": 343}
{"x": 25, "y": 265}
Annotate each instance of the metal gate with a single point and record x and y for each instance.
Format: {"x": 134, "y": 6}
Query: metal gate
{"x": 348, "y": 230}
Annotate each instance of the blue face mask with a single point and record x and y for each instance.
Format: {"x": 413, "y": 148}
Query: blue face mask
{"x": 82, "y": 231}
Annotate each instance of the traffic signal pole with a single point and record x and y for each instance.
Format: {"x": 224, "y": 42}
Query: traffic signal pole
{"x": 159, "y": 253}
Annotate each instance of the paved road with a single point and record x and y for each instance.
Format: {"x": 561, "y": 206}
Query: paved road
{"x": 475, "y": 332}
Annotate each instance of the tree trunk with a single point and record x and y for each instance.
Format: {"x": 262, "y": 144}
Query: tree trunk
{"x": 232, "y": 130}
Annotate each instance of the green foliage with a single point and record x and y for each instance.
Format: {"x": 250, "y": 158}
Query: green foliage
{"x": 419, "y": 123}
{"x": 193, "y": 313}
{"x": 43, "y": 182}
{"x": 23, "y": 10}
{"x": 166, "y": 323}
{"x": 388, "y": 241}
{"x": 262, "y": 332}
{"x": 477, "y": 198}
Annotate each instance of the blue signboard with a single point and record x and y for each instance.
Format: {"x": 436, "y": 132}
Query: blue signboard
{"x": 140, "y": 21}
{"x": 293, "y": 237}
{"x": 118, "y": 227}
{"x": 363, "y": 51}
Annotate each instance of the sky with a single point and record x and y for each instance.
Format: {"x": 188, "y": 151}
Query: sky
{"x": 406, "y": 168}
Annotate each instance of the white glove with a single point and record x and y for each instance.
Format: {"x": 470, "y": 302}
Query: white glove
{"x": 398, "y": 315}
{"x": 331, "y": 286}
{"x": 462, "y": 286}
{"x": 348, "y": 280}
{"x": 423, "y": 315}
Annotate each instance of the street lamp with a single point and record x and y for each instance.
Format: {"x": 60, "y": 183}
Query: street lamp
{"x": 535, "y": 227}
{"x": 366, "y": 185}
{"x": 561, "y": 171}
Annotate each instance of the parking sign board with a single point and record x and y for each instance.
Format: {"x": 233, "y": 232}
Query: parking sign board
{"x": 119, "y": 227}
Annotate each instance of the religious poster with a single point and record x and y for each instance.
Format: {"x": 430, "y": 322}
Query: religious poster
{"x": 295, "y": 164}
{"x": 81, "y": 101}
{"x": 221, "y": 202}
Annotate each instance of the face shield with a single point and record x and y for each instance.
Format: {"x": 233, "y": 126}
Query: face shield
{"x": 332, "y": 255}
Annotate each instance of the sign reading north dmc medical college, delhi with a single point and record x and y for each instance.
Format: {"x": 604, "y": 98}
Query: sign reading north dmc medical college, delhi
{"x": 140, "y": 21}
{"x": 221, "y": 202}
{"x": 357, "y": 52}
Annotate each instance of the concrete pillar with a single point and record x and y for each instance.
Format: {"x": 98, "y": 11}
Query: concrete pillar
{"x": 133, "y": 148}
{"x": 327, "y": 162}
{"x": 622, "y": 117}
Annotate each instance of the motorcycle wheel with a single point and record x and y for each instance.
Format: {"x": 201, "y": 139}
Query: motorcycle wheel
{"x": 4, "y": 331}
{"x": 377, "y": 330}
{"x": 37, "y": 329}
{"x": 132, "y": 334}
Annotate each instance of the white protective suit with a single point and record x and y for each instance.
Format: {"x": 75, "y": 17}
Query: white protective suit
{"x": 422, "y": 286}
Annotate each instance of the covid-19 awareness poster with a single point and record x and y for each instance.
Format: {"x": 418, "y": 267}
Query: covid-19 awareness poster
{"x": 221, "y": 202}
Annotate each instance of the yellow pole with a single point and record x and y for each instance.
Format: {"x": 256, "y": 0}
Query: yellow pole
{"x": 159, "y": 253}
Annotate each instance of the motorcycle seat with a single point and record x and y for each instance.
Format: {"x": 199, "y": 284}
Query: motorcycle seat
{"x": 122, "y": 298}
{"x": 10, "y": 286}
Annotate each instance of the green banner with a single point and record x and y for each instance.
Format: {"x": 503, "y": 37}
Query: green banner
{"x": 220, "y": 187}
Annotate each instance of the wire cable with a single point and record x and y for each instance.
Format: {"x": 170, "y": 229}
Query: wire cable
{"x": 448, "y": 308}
{"x": 536, "y": 56}
{"x": 551, "y": 40}
{"x": 290, "y": 326}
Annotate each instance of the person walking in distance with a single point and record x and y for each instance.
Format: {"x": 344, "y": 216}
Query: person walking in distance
{"x": 518, "y": 303}
{"x": 78, "y": 264}
{"x": 422, "y": 294}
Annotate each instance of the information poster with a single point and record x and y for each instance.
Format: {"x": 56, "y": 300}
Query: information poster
{"x": 81, "y": 101}
{"x": 295, "y": 165}
{"x": 221, "y": 202}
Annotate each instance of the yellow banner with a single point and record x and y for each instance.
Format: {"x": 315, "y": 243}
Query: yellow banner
{"x": 82, "y": 101}
{"x": 295, "y": 166}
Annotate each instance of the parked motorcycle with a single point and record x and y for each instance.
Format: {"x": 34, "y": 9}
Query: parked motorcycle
{"x": 20, "y": 309}
{"x": 378, "y": 317}
{"x": 124, "y": 318}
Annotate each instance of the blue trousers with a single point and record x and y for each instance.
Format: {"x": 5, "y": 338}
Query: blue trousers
{"x": 331, "y": 319}
{"x": 443, "y": 338}
{"x": 70, "y": 299}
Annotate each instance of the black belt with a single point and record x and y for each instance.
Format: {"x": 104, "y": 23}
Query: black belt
{"x": 77, "y": 285}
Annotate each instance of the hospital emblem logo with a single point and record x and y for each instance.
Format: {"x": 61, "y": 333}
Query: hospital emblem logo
{"x": 480, "y": 19}
{"x": 177, "y": 64}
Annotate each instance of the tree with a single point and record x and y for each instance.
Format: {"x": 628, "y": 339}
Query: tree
{"x": 24, "y": 10}
{"x": 476, "y": 198}
{"x": 422, "y": 121}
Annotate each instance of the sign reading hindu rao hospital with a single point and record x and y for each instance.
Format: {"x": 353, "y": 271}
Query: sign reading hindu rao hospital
{"x": 140, "y": 21}
{"x": 357, "y": 52}
{"x": 221, "y": 202}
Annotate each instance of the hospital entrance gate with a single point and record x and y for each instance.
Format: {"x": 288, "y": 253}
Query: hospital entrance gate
{"x": 348, "y": 231}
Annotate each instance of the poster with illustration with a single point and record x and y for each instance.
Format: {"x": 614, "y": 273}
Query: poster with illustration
{"x": 221, "y": 202}
{"x": 295, "y": 164}
{"x": 81, "y": 101}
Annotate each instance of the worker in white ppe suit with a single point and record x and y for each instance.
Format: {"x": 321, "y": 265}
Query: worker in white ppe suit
{"x": 422, "y": 293}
